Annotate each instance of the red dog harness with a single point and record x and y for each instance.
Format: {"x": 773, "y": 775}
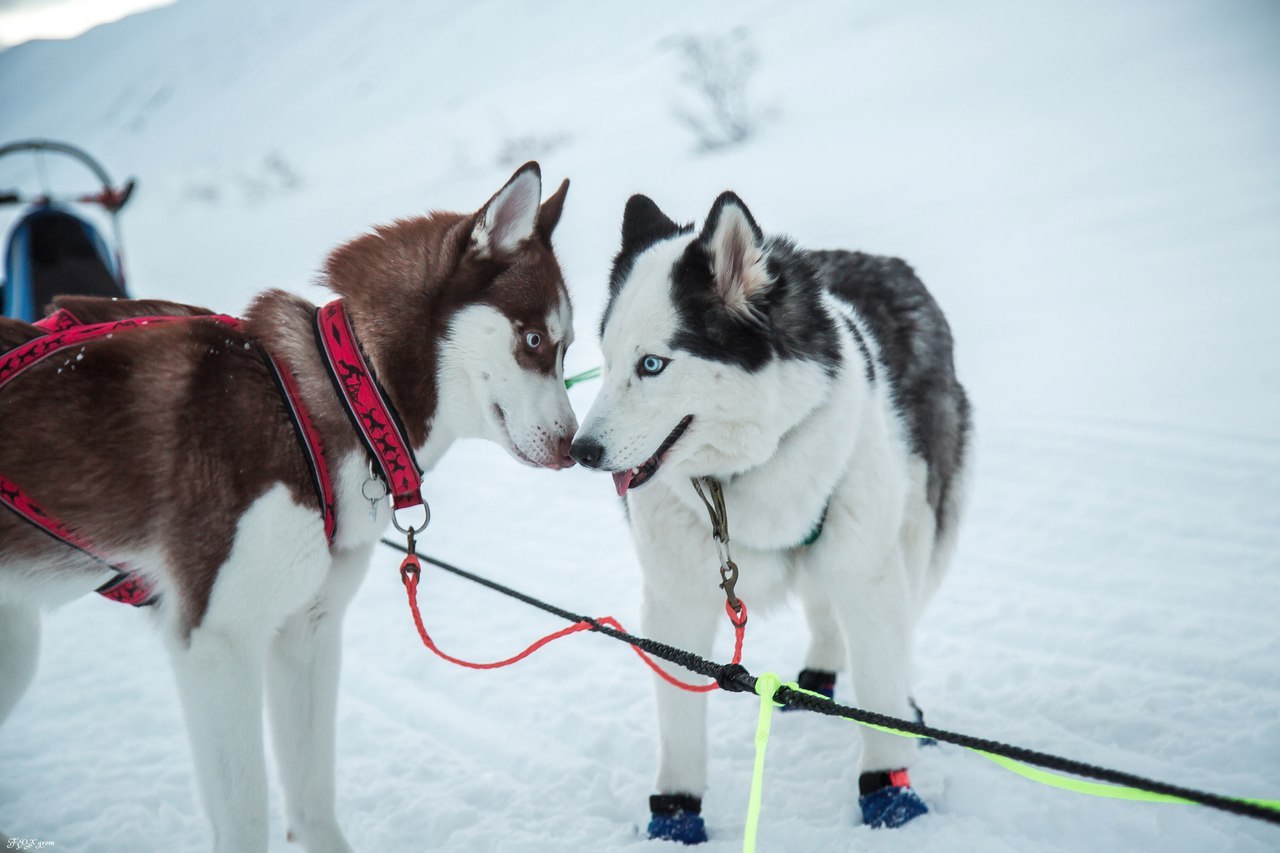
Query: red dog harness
{"x": 361, "y": 395}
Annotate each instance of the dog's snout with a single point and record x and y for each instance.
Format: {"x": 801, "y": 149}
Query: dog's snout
{"x": 563, "y": 447}
{"x": 587, "y": 451}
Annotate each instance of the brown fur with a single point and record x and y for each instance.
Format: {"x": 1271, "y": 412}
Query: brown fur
{"x": 160, "y": 438}
{"x": 96, "y": 309}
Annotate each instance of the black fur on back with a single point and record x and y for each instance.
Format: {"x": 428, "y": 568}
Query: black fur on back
{"x": 916, "y": 349}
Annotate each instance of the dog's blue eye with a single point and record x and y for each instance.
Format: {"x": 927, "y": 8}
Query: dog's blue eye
{"x": 652, "y": 365}
{"x": 532, "y": 340}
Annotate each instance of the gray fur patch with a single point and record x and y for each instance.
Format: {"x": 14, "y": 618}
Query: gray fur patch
{"x": 916, "y": 349}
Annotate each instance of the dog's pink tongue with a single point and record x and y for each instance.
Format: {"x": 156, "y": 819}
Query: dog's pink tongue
{"x": 622, "y": 481}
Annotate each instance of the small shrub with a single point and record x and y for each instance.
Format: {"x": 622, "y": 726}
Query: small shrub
{"x": 716, "y": 72}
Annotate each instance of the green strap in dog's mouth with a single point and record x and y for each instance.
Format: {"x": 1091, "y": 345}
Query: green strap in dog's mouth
{"x": 593, "y": 373}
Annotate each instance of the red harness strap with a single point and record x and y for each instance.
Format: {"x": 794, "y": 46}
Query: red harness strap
{"x": 64, "y": 331}
{"x": 58, "y": 321}
{"x": 127, "y": 587}
{"x": 312, "y": 444}
{"x": 16, "y": 361}
{"x": 375, "y": 421}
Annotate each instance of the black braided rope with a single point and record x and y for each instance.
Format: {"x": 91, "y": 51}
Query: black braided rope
{"x": 735, "y": 678}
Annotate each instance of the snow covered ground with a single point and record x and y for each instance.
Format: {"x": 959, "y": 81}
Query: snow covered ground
{"x": 1092, "y": 190}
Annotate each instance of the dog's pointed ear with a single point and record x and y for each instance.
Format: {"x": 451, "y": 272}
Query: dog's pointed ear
{"x": 736, "y": 246}
{"x": 643, "y": 224}
{"x": 510, "y": 216}
{"x": 549, "y": 213}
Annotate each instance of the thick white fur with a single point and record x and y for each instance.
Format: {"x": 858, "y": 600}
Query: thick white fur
{"x": 276, "y": 609}
{"x": 484, "y": 377}
{"x": 782, "y": 440}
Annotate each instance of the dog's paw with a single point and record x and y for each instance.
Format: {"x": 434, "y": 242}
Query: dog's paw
{"x": 815, "y": 681}
{"x": 676, "y": 817}
{"x": 318, "y": 836}
{"x": 888, "y": 800}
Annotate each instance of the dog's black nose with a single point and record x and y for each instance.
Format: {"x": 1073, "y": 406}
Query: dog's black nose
{"x": 587, "y": 451}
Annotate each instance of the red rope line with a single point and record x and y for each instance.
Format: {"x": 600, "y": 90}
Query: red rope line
{"x": 739, "y": 620}
{"x": 411, "y": 572}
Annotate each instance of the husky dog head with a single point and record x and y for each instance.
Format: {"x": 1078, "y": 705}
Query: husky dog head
{"x": 467, "y": 319}
{"x": 715, "y": 344}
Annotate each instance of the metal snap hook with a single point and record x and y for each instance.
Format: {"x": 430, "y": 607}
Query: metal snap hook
{"x": 728, "y": 580}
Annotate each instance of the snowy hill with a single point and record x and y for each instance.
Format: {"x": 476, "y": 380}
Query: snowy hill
{"x": 1093, "y": 194}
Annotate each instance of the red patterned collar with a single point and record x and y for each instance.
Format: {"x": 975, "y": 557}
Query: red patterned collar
{"x": 372, "y": 414}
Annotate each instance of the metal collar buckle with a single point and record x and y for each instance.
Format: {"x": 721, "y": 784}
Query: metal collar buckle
{"x": 409, "y": 530}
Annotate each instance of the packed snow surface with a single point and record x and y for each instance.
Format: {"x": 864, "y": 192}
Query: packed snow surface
{"x": 1092, "y": 191}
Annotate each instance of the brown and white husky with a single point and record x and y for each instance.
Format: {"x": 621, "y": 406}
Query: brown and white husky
{"x": 171, "y": 449}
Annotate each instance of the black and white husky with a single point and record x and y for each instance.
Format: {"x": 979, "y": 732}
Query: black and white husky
{"x": 818, "y": 388}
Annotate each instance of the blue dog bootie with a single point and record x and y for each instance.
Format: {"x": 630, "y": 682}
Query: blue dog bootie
{"x": 815, "y": 681}
{"x": 676, "y": 817}
{"x": 888, "y": 800}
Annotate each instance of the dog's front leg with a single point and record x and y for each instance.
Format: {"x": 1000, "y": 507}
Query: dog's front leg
{"x": 219, "y": 677}
{"x": 302, "y": 695}
{"x": 686, "y": 620}
{"x": 681, "y": 607}
{"x": 19, "y": 650}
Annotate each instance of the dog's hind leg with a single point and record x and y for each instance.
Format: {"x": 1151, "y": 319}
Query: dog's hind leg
{"x": 19, "y": 650}
{"x": 876, "y": 616}
{"x": 277, "y": 564}
{"x": 219, "y": 677}
{"x": 302, "y": 695}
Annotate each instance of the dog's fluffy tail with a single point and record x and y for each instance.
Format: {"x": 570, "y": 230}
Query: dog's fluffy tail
{"x": 944, "y": 544}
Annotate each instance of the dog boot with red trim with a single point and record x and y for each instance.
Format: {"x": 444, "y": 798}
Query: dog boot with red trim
{"x": 888, "y": 800}
{"x": 815, "y": 681}
{"x": 676, "y": 817}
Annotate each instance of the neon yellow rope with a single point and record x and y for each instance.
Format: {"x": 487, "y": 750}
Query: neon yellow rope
{"x": 767, "y": 685}
{"x": 1057, "y": 780}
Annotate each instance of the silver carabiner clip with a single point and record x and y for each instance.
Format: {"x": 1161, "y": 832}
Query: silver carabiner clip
{"x": 722, "y": 550}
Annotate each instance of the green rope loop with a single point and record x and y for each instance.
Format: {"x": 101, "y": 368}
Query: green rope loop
{"x": 593, "y": 373}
